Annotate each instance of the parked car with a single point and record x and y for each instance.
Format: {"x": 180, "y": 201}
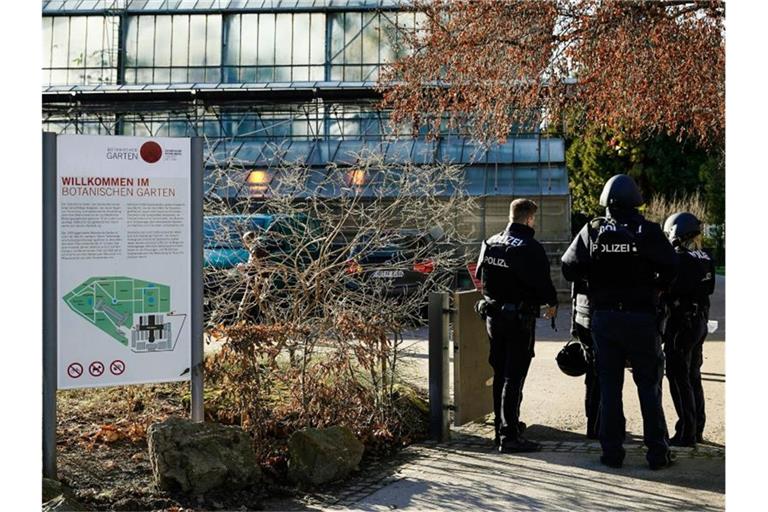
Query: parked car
{"x": 399, "y": 267}
{"x": 225, "y": 251}
{"x": 223, "y": 238}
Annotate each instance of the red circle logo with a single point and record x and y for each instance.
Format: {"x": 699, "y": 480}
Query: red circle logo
{"x": 151, "y": 152}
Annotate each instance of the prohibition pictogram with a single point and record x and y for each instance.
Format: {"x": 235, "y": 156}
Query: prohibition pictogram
{"x": 117, "y": 367}
{"x": 96, "y": 368}
{"x": 75, "y": 370}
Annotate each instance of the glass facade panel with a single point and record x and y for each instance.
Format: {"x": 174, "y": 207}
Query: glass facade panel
{"x": 163, "y": 33}
{"x": 78, "y": 50}
{"x": 257, "y": 47}
{"x": 317, "y": 39}
{"x": 180, "y": 41}
{"x": 90, "y": 124}
{"x": 197, "y": 40}
{"x": 274, "y": 47}
{"x": 301, "y": 39}
{"x": 47, "y": 34}
{"x": 232, "y": 37}
{"x": 526, "y": 181}
{"x": 99, "y": 49}
{"x": 60, "y": 44}
{"x": 266, "y": 41}
{"x": 284, "y": 38}
{"x": 145, "y": 47}
{"x": 173, "y": 49}
{"x": 370, "y": 38}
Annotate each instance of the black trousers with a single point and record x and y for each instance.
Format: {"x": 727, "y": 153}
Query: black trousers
{"x": 512, "y": 339}
{"x": 683, "y": 346}
{"x": 591, "y": 383}
{"x": 618, "y": 336}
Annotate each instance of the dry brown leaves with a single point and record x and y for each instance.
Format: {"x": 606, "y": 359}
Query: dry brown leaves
{"x": 107, "y": 434}
{"x": 639, "y": 67}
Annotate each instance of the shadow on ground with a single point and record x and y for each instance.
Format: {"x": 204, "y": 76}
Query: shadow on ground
{"x": 691, "y": 465}
{"x": 468, "y": 474}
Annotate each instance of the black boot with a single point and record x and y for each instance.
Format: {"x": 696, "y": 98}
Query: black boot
{"x": 611, "y": 462}
{"x": 679, "y": 441}
{"x": 667, "y": 461}
{"x": 518, "y": 445}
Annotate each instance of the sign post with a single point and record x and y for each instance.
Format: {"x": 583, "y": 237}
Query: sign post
{"x": 196, "y": 184}
{"x": 49, "y": 305}
{"x": 123, "y": 260}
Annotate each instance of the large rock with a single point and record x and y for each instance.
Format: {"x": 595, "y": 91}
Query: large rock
{"x": 318, "y": 456}
{"x": 57, "y": 497}
{"x": 51, "y": 489}
{"x": 63, "y": 503}
{"x": 197, "y": 457}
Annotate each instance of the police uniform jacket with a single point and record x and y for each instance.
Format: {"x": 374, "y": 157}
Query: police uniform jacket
{"x": 514, "y": 268}
{"x": 625, "y": 258}
{"x": 695, "y": 279}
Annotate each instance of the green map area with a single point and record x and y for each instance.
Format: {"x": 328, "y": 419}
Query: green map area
{"x": 109, "y": 303}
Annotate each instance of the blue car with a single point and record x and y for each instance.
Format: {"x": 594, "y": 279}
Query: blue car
{"x": 224, "y": 250}
{"x": 223, "y": 238}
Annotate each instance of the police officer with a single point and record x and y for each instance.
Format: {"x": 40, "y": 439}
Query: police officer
{"x": 514, "y": 270}
{"x": 580, "y": 328}
{"x": 626, "y": 261}
{"x": 688, "y": 304}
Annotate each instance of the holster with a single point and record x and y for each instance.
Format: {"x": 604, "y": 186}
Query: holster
{"x": 482, "y": 307}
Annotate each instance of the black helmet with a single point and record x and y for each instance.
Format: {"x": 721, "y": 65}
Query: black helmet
{"x": 621, "y": 191}
{"x": 681, "y": 226}
{"x": 572, "y": 359}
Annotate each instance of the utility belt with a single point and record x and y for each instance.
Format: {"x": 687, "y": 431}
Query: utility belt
{"x": 486, "y": 307}
{"x": 625, "y": 307}
{"x": 626, "y": 300}
{"x": 688, "y": 307}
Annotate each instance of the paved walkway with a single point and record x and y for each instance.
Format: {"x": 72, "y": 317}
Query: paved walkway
{"x": 467, "y": 474}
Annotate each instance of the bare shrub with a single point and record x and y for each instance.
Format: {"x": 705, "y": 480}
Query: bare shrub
{"x": 312, "y": 323}
{"x": 660, "y": 206}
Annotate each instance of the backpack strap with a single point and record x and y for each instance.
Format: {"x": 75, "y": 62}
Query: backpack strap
{"x": 600, "y": 221}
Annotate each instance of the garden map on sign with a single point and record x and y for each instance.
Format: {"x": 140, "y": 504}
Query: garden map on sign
{"x": 110, "y": 304}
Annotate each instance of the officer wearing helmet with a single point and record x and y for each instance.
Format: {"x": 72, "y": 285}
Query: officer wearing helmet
{"x": 514, "y": 270}
{"x": 626, "y": 261}
{"x": 686, "y": 328}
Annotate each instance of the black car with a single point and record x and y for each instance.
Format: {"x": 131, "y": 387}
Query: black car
{"x": 396, "y": 263}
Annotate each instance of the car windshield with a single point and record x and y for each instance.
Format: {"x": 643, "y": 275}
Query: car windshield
{"x": 226, "y": 232}
{"x": 393, "y": 246}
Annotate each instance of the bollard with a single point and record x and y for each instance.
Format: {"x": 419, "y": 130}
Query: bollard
{"x": 439, "y": 345}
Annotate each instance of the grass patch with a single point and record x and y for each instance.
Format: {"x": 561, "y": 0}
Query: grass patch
{"x": 720, "y": 270}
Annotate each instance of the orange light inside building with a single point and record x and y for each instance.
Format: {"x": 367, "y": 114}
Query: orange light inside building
{"x": 257, "y": 181}
{"x": 357, "y": 177}
{"x": 259, "y": 177}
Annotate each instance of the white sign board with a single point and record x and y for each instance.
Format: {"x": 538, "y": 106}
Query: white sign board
{"x": 123, "y": 256}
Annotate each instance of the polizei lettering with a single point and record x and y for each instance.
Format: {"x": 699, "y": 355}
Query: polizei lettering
{"x": 496, "y": 262}
{"x": 618, "y": 248}
{"x": 506, "y": 240}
